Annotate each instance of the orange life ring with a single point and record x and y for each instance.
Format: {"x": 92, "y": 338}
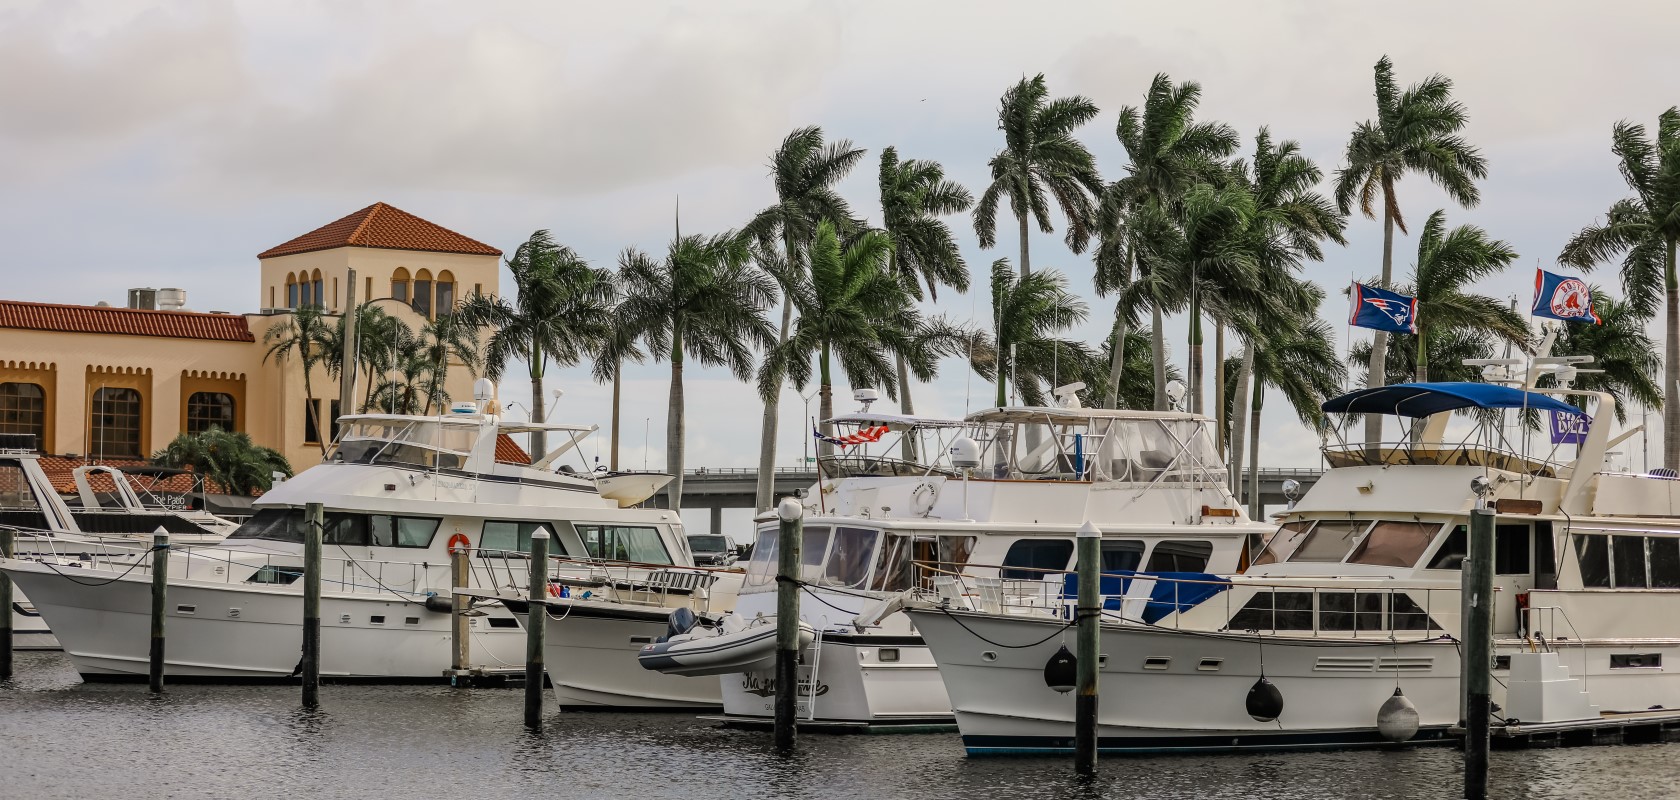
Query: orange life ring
{"x": 459, "y": 543}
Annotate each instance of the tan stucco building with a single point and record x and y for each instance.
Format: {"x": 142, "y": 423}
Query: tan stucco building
{"x": 120, "y": 383}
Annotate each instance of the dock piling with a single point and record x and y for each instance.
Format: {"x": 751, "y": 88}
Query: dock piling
{"x": 536, "y": 624}
{"x": 160, "y": 591}
{"x": 459, "y": 635}
{"x": 314, "y": 515}
{"x": 1088, "y": 618}
{"x": 792, "y": 516}
{"x": 7, "y": 537}
{"x": 1478, "y": 653}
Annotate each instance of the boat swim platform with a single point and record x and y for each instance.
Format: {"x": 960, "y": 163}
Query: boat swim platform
{"x": 1609, "y": 728}
{"x": 836, "y": 726}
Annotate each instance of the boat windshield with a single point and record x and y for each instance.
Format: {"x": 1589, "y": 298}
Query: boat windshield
{"x": 427, "y": 443}
{"x": 828, "y": 556}
{"x": 708, "y": 544}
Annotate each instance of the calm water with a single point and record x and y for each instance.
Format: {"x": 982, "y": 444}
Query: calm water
{"x": 64, "y": 739}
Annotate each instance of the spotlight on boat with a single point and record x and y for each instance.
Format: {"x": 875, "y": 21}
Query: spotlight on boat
{"x": 1265, "y": 702}
{"x": 1292, "y": 490}
{"x": 1480, "y": 485}
{"x": 1061, "y": 672}
{"x": 1397, "y": 720}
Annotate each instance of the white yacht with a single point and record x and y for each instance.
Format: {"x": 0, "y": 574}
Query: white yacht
{"x": 1356, "y": 599}
{"x": 1002, "y": 514}
{"x": 400, "y": 493}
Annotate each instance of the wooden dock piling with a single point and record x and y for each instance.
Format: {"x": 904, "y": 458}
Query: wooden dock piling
{"x": 1478, "y": 653}
{"x": 314, "y": 524}
{"x": 459, "y": 634}
{"x": 536, "y": 624}
{"x": 792, "y": 516}
{"x": 160, "y": 606}
{"x": 1088, "y": 617}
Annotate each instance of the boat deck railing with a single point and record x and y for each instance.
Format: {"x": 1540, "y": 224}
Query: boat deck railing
{"x": 1463, "y": 454}
{"x": 627, "y": 582}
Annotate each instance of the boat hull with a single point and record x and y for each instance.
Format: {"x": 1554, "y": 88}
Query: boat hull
{"x": 590, "y": 652}
{"x": 241, "y": 633}
{"x": 29, "y": 630}
{"x": 844, "y": 682}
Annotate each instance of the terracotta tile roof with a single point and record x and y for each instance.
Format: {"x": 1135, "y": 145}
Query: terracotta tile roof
{"x": 382, "y": 226}
{"x": 508, "y": 451}
{"x": 125, "y": 321}
{"x": 58, "y": 469}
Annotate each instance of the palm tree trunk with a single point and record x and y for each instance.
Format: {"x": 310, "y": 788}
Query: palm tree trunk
{"x": 674, "y": 425}
{"x": 1195, "y": 356}
{"x": 539, "y": 441}
{"x": 1026, "y": 263}
{"x": 1239, "y": 420}
{"x": 1117, "y": 361}
{"x": 825, "y": 404}
{"x": 1254, "y": 510}
{"x": 1002, "y": 374}
{"x": 1376, "y": 369}
{"x": 905, "y": 406}
{"x": 1219, "y": 406}
{"x": 766, "y": 489}
{"x": 612, "y": 457}
{"x": 1671, "y": 362}
{"x": 1158, "y": 342}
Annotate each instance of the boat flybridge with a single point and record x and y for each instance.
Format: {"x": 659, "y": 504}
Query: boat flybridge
{"x": 1351, "y": 614}
{"x": 987, "y": 516}
{"x": 402, "y": 494}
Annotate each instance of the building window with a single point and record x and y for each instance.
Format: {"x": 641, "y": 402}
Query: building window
{"x": 320, "y": 290}
{"x": 292, "y": 297}
{"x": 206, "y": 410}
{"x": 332, "y": 421}
{"x": 445, "y": 292}
{"x": 422, "y": 301}
{"x": 335, "y": 293}
{"x": 311, "y": 422}
{"x": 23, "y": 409}
{"x": 115, "y": 423}
{"x": 399, "y": 285}
{"x": 367, "y": 293}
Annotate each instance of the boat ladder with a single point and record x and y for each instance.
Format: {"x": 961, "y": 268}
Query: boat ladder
{"x": 808, "y": 687}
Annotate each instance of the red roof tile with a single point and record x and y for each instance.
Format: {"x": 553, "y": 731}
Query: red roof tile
{"x": 383, "y": 226}
{"x": 125, "y": 321}
{"x": 58, "y": 470}
{"x": 508, "y": 451}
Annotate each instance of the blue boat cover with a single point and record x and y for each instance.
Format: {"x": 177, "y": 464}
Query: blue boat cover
{"x": 1165, "y": 597}
{"x": 1424, "y": 399}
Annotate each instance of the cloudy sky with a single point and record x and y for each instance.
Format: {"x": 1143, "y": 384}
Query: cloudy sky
{"x": 166, "y": 143}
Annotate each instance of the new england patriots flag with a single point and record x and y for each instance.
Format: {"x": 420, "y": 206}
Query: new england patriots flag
{"x": 1383, "y": 310}
{"x": 1563, "y": 297}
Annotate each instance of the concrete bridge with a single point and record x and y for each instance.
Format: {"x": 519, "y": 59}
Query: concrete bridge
{"x": 718, "y": 489}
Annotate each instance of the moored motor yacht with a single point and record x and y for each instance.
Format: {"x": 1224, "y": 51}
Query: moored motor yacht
{"x": 996, "y": 498}
{"x": 1354, "y": 606}
{"x": 401, "y": 493}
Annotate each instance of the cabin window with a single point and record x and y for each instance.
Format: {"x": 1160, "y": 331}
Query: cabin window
{"x": 1627, "y": 562}
{"x": 1329, "y": 541}
{"x": 1180, "y": 556}
{"x": 15, "y": 494}
{"x": 1665, "y": 562}
{"x": 1593, "y": 554}
{"x": 1635, "y": 660}
{"x": 1511, "y": 546}
{"x": 848, "y": 558}
{"x": 1350, "y": 611}
{"x": 1393, "y": 543}
{"x": 1029, "y": 559}
{"x": 813, "y": 545}
{"x": 1406, "y": 615}
{"x": 1453, "y": 549}
{"x": 271, "y": 574}
{"x": 1275, "y": 611}
{"x": 1283, "y": 543}
{"x": 762, "y": 566}
{"x": 502, "y": 538}
{"x": 892, "y": 565}
{"x": 1124, "y": 555}
{"x": 624, "y": 543}
{"x": 954, "y": 552}
{"x": 350, "y": 529}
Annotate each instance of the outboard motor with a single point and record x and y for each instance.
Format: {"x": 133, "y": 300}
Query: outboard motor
{"x": 682, "y": 621}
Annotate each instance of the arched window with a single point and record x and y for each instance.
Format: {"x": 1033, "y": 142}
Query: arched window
{"x": 445, "y": 292}
{"x": 422, "y": 301}
{"x": 115, "y": 424}
{"x": 292, "y": 298}
{"x": 399, "y": 285}
{"x": 23, "y": 409}
{"x": 206, "y": 410}
{"x": 320, "y": 293}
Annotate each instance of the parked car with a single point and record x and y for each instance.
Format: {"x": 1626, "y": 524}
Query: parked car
{"x": 712, "y": 549}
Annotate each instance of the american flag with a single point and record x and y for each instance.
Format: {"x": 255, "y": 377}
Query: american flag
{"x": 863, "y": 436}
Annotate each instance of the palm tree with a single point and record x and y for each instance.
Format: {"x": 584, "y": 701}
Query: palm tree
{"x": 1169, "y": 153}
{"x": 914, "y": 194}
{"x": 407, "y": 385}
{"x": 1447, "y": 264}
{"x": 1415, "y": 131}
{"x": 1040, "y": 156}
{"x": 383, "y": 337}
{"x": 562, "y": 311}
{"x": 231, "y": 460}
{"x": 804, "y": 171}
{"x": 1620, "y": 348}
{"x": 1301, "y": 363}
{"x": 442, "y": 341}
{"x": 1644, "y": 232}
{"x": 1137, "y": 377}
{"x": 1206, "y": 260}
{"x": 1029, "y": 311}
{"x": 619, "y": 346}
{"x": 854, "y": 310}
{"x": 303, "y": 334}
{"x": 704, "y": 301}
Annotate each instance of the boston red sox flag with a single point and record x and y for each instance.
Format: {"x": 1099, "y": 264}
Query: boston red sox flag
{"x": 1563, "y": 297}
{"x": 1382, "y": 310}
